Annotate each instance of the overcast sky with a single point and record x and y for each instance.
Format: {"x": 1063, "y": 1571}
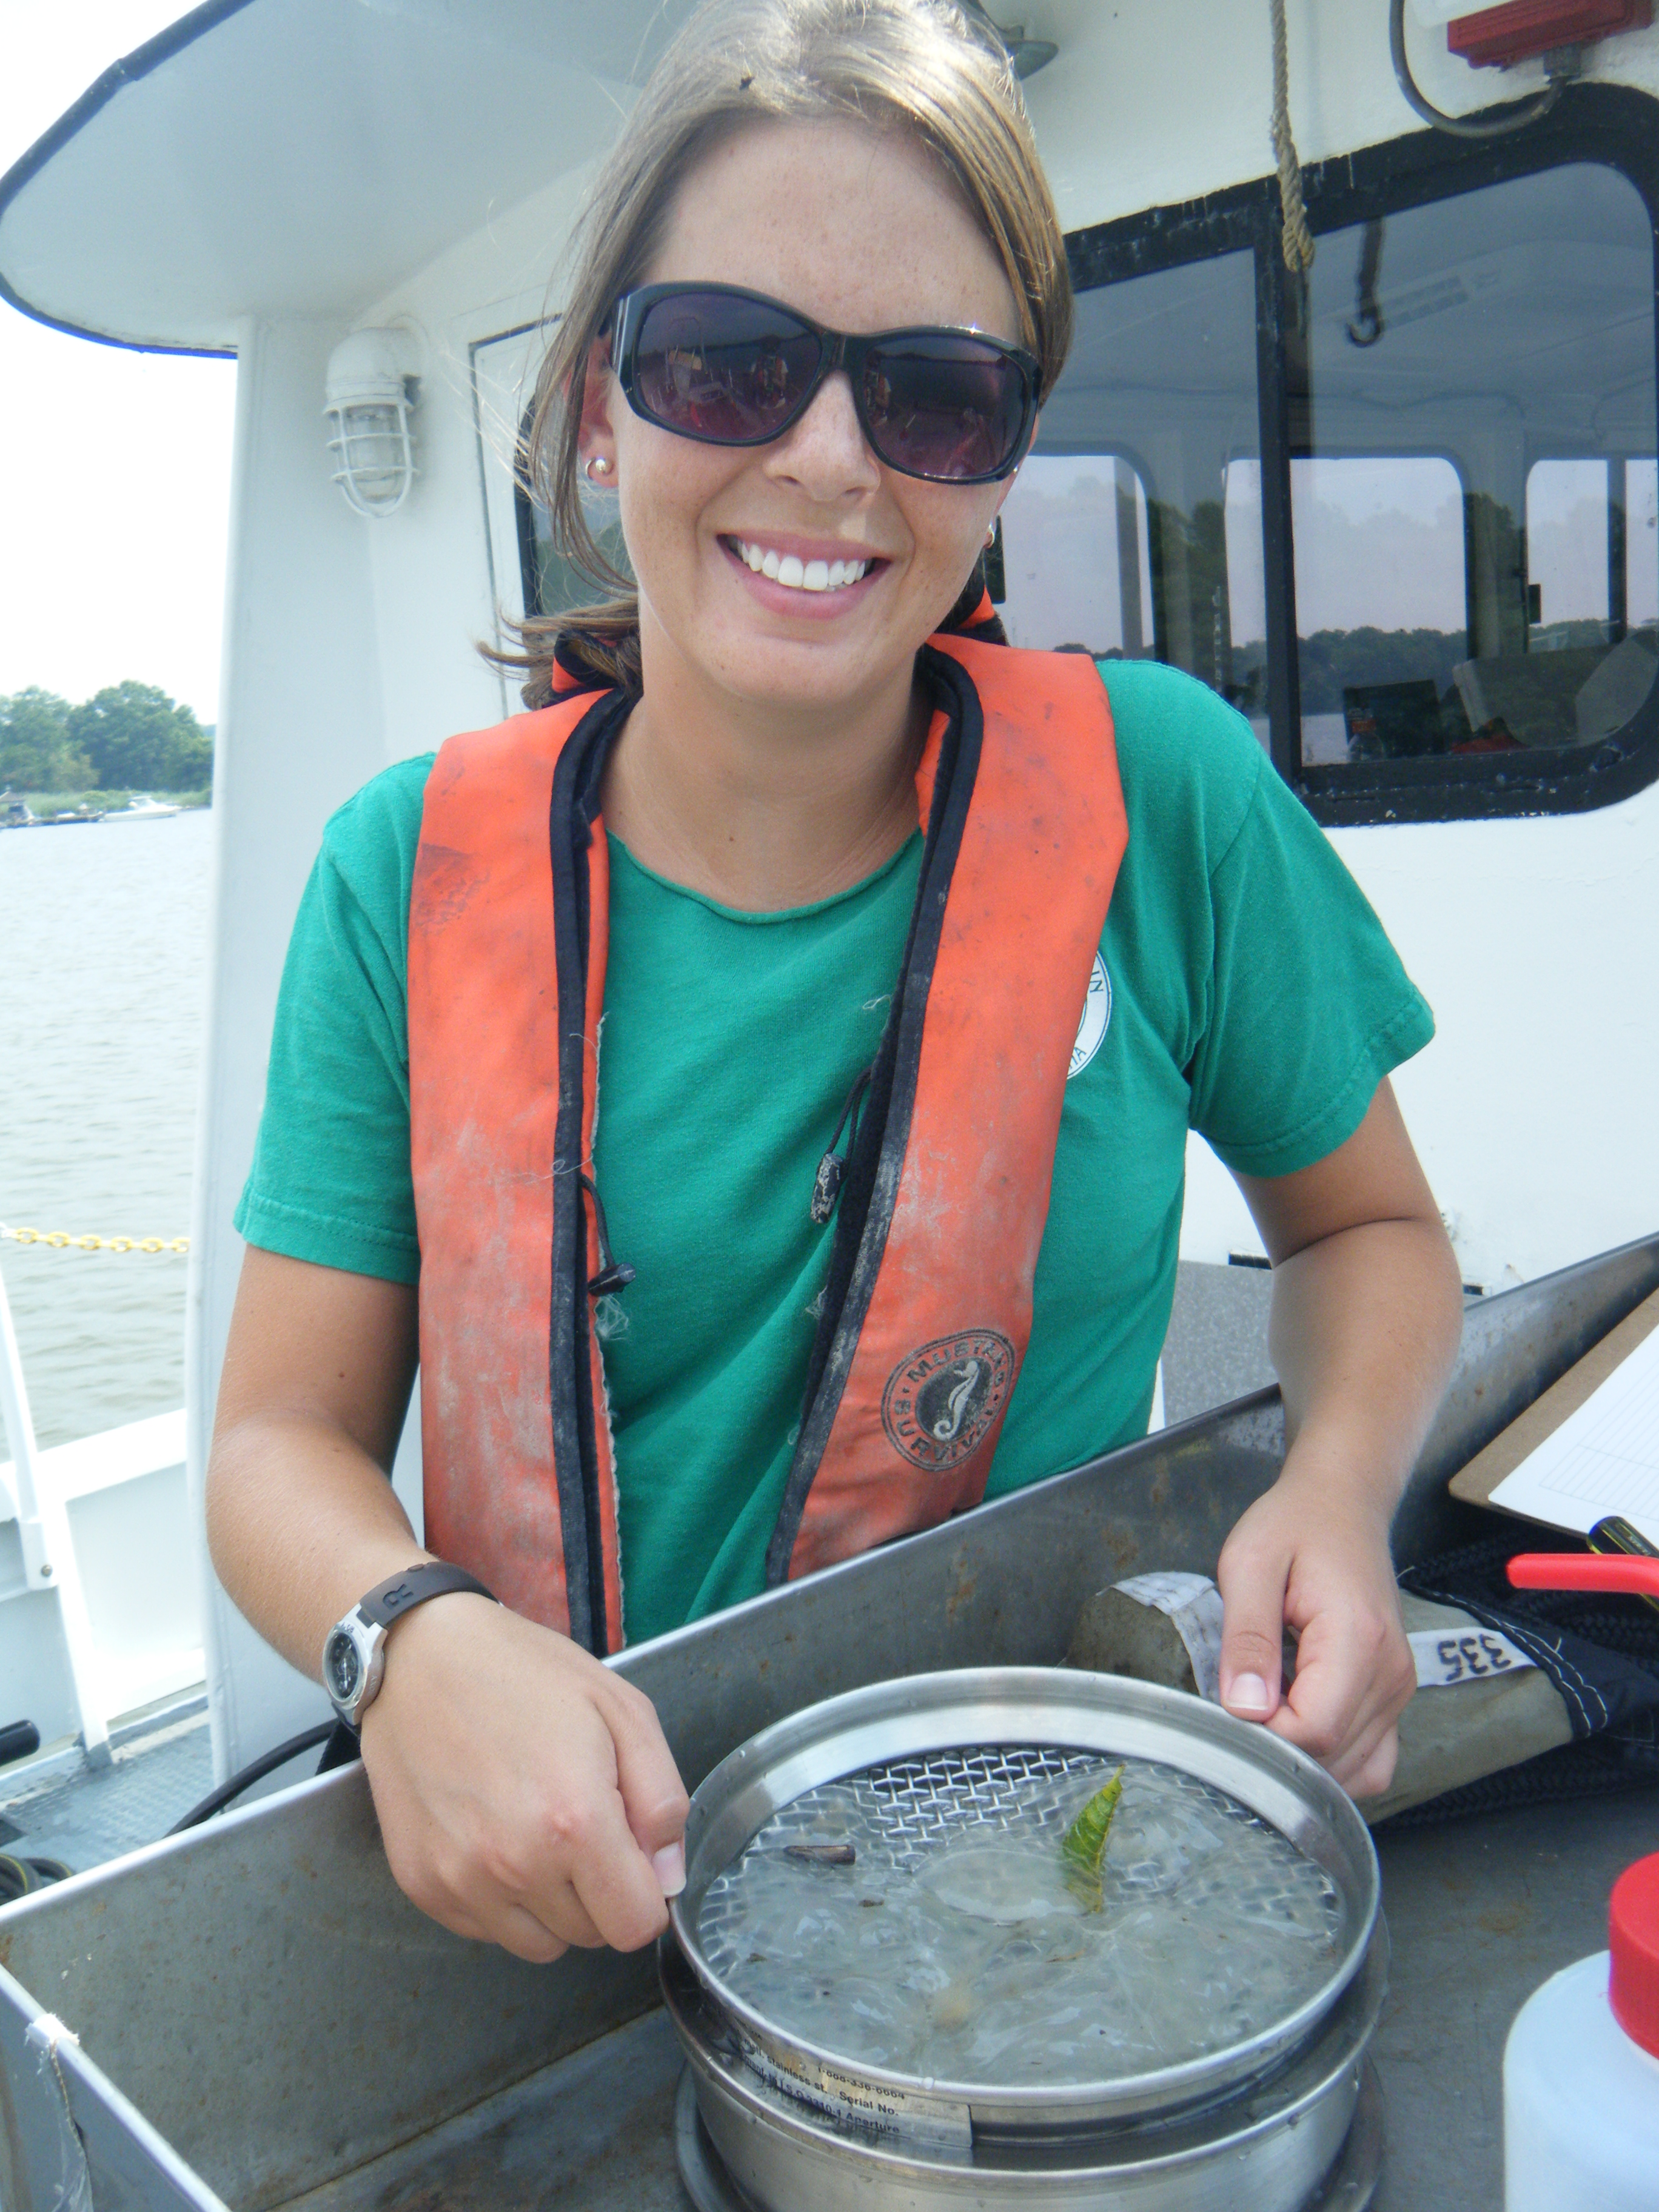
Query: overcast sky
{"x": 114, "y": 466}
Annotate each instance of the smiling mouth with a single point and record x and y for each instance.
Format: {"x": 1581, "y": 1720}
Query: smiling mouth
{"x": 795, "y": 574}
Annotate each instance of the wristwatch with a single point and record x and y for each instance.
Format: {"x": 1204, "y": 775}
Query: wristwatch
{"x": 353, "y": 1655}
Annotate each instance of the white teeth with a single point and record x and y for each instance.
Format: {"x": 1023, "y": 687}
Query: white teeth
{"x": 800, "y": 576}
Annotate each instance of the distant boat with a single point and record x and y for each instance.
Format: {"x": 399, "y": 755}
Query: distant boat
{"x": 149, "y": 809}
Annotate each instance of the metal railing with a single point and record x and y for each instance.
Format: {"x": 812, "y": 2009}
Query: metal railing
{"x": 36, "y": 1490}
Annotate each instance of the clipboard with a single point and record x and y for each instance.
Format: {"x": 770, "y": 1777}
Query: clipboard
{"x": 1474, "y": 1483}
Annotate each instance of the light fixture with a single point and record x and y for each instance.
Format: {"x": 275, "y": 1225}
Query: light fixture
{"x": 369, "y": 392}
{"x": 1027, "y": 55}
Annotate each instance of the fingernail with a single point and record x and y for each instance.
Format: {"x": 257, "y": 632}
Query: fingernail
{"x": 669, "y": 1866}
{"x": 1248, "y": 1694}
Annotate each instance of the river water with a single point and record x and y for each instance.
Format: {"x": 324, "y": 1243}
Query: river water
{"x": 102, "y": 995}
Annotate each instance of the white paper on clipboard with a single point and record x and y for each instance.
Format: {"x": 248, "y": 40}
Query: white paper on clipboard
{"x": 1603, "y": 1459}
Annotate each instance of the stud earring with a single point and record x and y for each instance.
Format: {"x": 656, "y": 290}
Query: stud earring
{"x": 599, "y": 467}
{"x": 990, "y": 537}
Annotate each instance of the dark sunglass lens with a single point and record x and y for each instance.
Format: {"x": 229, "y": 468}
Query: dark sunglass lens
{"x": 727, "y": 370}
{"x": 945, "y": 407}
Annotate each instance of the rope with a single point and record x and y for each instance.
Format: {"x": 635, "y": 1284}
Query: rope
{"x": 1298, "y": 237}
{"x": 1368, "y": 324}
{"x": 60, "y": 1241}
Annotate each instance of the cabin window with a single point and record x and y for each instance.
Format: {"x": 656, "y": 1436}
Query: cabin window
{"x": 1401, "y": 512}
{"x": 1077, "y": 555}
{"x": 1578, "y": 568}
{"x": 1119, "y": 533}
{"x": 1642, "y": 544}
{"x": 1381, "y": 616}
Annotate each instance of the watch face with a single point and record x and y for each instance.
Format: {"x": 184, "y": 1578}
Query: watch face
{"x": 343, "y": 1668}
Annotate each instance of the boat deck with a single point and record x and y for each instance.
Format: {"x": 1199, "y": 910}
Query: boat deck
{"x": 59, "y": 1809}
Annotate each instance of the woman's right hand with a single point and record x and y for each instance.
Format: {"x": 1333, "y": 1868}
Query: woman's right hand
{"x": 525, "y": 1793}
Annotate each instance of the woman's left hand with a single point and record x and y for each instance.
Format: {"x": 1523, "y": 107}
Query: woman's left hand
{"x": 1367, "y": 1313}
{"x": 1318, "y": 1562}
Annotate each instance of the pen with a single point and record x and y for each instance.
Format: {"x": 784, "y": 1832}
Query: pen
{"x": 1615, "y": 1533}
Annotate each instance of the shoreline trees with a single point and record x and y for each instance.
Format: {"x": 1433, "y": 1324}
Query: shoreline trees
{"x": 128, "y": 736}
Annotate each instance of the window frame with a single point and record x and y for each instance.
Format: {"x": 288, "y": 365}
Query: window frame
{"x": 1614, "y": 126}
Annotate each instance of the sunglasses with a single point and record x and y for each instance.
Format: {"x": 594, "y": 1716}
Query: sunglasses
{"x": 730, "y": 368}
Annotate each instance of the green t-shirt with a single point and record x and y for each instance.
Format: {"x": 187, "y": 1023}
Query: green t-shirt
{"x": 1246, "y": 988}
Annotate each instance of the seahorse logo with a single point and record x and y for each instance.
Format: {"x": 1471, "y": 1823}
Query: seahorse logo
{"x": 941, "y": 1401}
{"x": 955, "y": 1406}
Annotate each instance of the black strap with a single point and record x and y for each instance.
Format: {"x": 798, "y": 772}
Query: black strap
{"x": 389, "y": 1600}
{"x": 573, "y": 806}
{"x": 343, "y": 1748}
{"x": 868, "y": 1191}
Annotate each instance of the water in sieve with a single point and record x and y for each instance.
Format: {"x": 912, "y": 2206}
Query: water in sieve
{"x": 951, "y": 1945}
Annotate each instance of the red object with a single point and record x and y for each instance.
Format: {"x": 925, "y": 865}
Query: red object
{"x": 1496, "y": 37}
{"x": 1585, "y": 1570}
{"x": 1633, "y": 1939}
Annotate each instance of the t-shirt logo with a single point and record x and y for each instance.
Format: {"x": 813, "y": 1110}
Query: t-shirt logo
{"x": 1097, "y": 1017}
{"x": 940, "y": 1401}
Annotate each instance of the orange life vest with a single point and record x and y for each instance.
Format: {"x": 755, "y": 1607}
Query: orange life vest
{"x": 927, "y": 1311}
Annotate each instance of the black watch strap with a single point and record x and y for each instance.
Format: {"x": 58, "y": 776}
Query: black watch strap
{"x": 389, "y": 1600}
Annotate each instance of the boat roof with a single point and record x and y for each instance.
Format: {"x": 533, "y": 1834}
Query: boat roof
{"x": 270, "y": 159}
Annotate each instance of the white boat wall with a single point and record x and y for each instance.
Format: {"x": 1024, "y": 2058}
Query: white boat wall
{"x": 125, "y": 1634}
{"x": 275, "y": 175}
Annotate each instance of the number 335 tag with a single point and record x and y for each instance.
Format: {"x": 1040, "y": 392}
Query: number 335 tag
{"x": 1472, "y": 1654}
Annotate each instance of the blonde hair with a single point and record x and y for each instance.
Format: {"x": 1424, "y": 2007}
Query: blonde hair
{"x": 933, "y": 69}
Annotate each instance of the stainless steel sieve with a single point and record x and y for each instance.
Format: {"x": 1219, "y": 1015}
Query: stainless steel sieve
{"x": 1308, "y": 2139}
{"x": 933, "y": 1751}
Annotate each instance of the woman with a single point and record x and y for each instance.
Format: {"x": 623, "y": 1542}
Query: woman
{"x": 838, "y": 896}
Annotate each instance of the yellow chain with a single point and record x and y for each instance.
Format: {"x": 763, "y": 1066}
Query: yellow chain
{"x": 60, "y": 1240}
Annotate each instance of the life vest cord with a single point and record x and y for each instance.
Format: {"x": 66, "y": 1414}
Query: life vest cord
{"x": 875, "y": 1160}
{"x": 574, "y": 804}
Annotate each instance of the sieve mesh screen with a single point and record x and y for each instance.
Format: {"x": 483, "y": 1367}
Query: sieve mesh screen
{"x": 918, "y": 1915}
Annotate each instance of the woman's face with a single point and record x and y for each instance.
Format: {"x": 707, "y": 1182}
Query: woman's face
{"x": 860, "y": 232}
